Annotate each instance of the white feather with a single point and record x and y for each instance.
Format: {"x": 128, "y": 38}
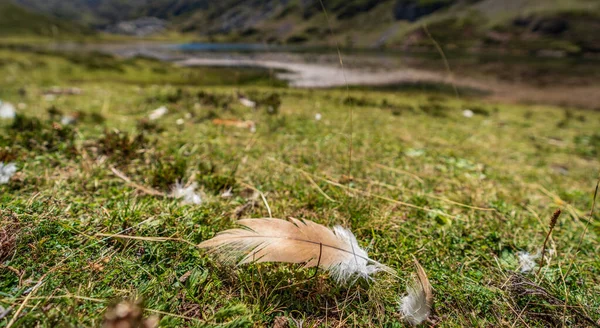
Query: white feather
{"x": 158, "y": 113}
{"x": 357, "y": 267}
{"x": 247, "y": 102}
{"x": 416, "y": 305}
{"x": 468, "y": 113}
{"x": 227, "y": 193}
{"x": 68, "y": 120}
{"x": 527, "y": 262}
{"x": 6, "y": 172}
{"x": 187, "y": 194}
{"x": 7, "y": 110}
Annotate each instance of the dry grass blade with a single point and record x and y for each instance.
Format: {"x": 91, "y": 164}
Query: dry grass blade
{"x": 312, "y": 182}
{"x": 262, "y": 196}
{"x": 146, "y": 190}
{"x": 339, "y": 53}
{"x": 397, "y": 170}
{"x": 366, "y": 193}
{"x": 446, "y": 63}
{"x": 153, "y": 239}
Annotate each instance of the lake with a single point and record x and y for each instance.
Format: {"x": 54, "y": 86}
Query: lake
{"x": 520, "y": 79}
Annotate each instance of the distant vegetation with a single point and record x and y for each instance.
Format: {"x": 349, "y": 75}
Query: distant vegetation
{"x": 542, "y": 27}
{"x": 17, "y": 21}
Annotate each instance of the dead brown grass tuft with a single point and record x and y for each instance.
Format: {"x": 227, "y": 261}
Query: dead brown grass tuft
{"x": 536, "y": 302}
{"x": 9, "y": 231}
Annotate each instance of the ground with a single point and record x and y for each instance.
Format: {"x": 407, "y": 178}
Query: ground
{"x": 406, "y": 171}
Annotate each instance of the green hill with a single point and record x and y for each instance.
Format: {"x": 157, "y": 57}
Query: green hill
{"x": 522, "y": 26}
{"x": 17, "y": 21}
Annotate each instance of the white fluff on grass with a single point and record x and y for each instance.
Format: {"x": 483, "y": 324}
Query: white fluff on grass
{"x": 187, "y": 194}
{"x": 247, "y": 102}
{"x": 468, "y": 113}
{"x": 158, "y": 113}
{"x": 7, "y": 171}
{"x": 68, "y": 120}
{"x": 527, "y": 261}
{"x": 318, "y": 116}
{"x": 7, "y": 110}
{"x": 227, "y": 193}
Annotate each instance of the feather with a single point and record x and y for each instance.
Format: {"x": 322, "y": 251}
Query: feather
{"x": 158, "y": 113}
{"x": 527, "y": 261}
{"x": 6, "y": 172}
{"x": 247, "y": 102}
{"x": 187, "y": 194}
{"x": 416, "y": 305}
{"x": 7, "y": 110}
{"x": 296, "y": 241}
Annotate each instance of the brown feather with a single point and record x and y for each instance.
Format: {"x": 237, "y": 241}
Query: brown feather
{"x": 295, "y": 241}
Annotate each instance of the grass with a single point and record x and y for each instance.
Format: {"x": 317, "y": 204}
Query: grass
{"x": 461, "y": 195}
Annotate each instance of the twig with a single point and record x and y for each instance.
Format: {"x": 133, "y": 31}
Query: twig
{"x": 552, "y": 225}
{"x": 146, "y": 190}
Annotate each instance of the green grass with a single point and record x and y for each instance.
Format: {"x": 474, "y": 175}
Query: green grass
{"x": 461, "y": 195}
{"x": 17, "y": 21}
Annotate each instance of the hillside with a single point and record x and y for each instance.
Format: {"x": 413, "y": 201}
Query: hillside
{"x": 16, "y": 21}
{"x": 551, "y": 27}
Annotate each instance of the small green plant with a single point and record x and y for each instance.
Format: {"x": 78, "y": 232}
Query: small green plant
{"x": 214, "y": 181}
{"x": 434, "y": 109}
{"x": 145, "y": 125}
{"x": 33, "y": 134}
{"x": 214, "y": 100}
{"x": 166, "y": 172}
{"x": 121, "y": 147}
{"x": 271, "y": 103}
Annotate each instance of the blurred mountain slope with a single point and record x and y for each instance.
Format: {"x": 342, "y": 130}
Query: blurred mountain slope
{"x": 559, "y": 26}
